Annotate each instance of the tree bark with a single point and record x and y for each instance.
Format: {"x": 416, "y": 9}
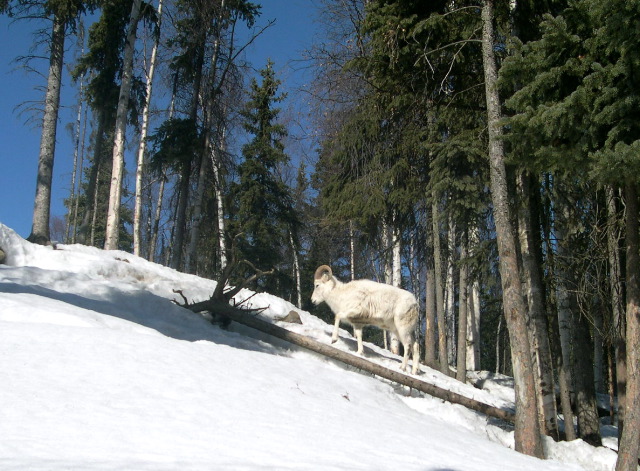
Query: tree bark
{"x": 42, "y": 204}
{"x": 450, "y": 285}
{"x": 296, "y": 270}
{"x": 117, "y": 171}
{"x": 615, "y": 279}
{"x": 77, "y": 170}
{"x": 574, "y": 332}
{"x": 396, "y": 277}
{"x": 527, "y": 430}
{"x": 221, "y": 226}
{"x": 473, "y": 308}
{"x": 430, "y": 336}
{"x": 630, "y": 441}
{"x": 461, "y": 373}
{"x": 437, "y": 260}
{"x": 539, "y": 338}
{"x": 153, "y": 239}
{"x": 142, "y": 147}
{"x": 180, "y": 226}
{"x": 585, "y": 393}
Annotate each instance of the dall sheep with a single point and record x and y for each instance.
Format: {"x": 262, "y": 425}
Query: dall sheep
{"x": 366, "y": 302}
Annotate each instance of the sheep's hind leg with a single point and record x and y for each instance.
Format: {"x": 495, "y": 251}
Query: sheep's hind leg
{"x": 405, "y": 359}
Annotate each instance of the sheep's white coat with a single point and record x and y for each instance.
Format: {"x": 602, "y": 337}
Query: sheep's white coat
{"x": 366, "y": 302}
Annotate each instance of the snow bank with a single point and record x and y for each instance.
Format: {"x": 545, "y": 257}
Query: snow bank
{"x": 101, "y": 371}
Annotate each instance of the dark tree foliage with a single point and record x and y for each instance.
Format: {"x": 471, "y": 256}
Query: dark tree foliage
{"x": 264, "y": 207}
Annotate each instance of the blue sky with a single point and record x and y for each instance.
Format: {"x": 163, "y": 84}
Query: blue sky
{"x": 284, "y": 43}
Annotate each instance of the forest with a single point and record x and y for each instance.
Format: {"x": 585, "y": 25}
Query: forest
{"x": 479, "y": 154}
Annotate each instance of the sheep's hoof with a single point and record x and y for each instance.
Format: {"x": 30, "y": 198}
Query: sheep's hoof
{"x": 333, "y": 340}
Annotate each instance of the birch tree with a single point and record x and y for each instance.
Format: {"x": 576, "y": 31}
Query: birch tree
{"x": 117, "y": 170}
{"x": 144, "y": 128}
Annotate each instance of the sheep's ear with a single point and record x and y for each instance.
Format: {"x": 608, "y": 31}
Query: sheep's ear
{"x": 326, "y": 276}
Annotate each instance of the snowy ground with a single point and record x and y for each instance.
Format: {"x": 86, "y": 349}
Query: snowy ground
{"x": 99, "y": 370}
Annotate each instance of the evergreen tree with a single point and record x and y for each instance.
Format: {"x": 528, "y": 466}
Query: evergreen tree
{"x": 264, "y": 204}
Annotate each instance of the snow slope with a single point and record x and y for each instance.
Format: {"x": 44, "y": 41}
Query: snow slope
{"x": 99, "y": 370}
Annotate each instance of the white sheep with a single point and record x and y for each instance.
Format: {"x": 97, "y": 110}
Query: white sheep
{"x": 366, "y": 302}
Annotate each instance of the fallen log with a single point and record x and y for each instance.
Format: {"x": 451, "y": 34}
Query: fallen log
{"x": 350, "y": 359}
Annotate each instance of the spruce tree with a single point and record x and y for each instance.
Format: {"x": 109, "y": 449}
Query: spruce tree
{"x": 264, "y": 204}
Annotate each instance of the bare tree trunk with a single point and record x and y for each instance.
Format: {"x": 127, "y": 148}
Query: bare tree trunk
{"x": 153, "y": 239}
{"x": 437, "y": 260}
{"x": 296, "y": 270}
{"x": 180, "y": 226}
{"x": 539, "y": 338}
{"x": 598, "y": 349}
{"x": 222, "y": 246}
{"x": 527, "y": 430}
{"x": 396, "y": 278}
{"x": 450, "y": 285}
{"x": 352, "y": 251}
{"x": 42, "y": 204}
{"x": 498, "y": 336}
{"x": 430, "y": 335}
{"x": 81, "y": 167}
{"x": 210, "y": 144}
{"x": 473, "y": 326}
{"x": 137, "y": 210}
{"x": 630, "y": 442}
{"x": 461, "y": 374}
{"x": 77, "y": 167}
{"x": 473, "y": 314}
{"x": 562, "y": 326}
{"x": 87, "y": 227}
{"x": 619, "y": 324}
{"x": 586, "y": 405}
{"x": 574, "y": 331}
{"x": 117, "y": 171}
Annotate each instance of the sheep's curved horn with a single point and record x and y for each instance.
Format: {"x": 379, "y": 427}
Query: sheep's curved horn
{"x": 322, "y": 269}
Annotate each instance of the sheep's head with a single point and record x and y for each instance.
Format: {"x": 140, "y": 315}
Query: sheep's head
{"x": 323, "y": 283}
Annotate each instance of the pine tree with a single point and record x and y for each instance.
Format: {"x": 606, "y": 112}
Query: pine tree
{"x": 264, "y": 213}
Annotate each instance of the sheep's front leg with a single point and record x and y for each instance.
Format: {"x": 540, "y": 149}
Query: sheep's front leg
{"x": 336, "y": 326}
{"x": 358, "y": 332}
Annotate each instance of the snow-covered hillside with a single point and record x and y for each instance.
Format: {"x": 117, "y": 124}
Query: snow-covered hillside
{"x": 99, "y": 370}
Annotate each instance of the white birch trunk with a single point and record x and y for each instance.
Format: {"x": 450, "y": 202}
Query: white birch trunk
{"x": 352, "y": 250}
{"x": 296, "y": 271}
{"x": 396, "y": 280}
{"x": 473, "y": 327}
{"x": 222, "y": 246}
{"x": 137, "y": 210}
{"x": 117, "y": 171}
{"x": 461, "y": 357}
{"x": 208, "y": 151}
